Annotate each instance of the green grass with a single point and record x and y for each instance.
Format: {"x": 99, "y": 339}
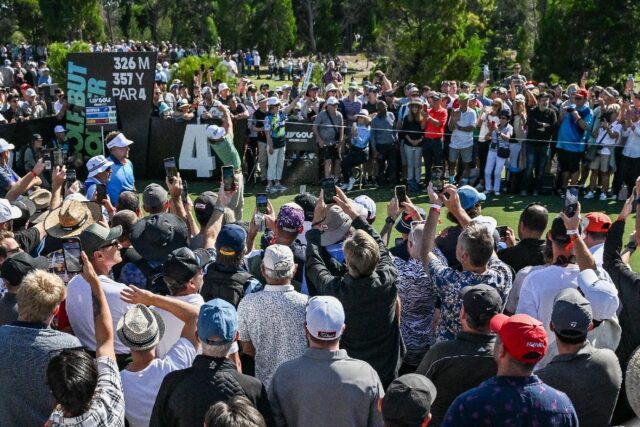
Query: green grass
{"x": 505, "y": 209}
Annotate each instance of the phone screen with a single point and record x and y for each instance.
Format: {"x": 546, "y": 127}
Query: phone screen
{"x": 401, "y": 194}
{"x": 101, "y": 193}
{"x": 261, "y": 203}
{"x": 185, "y": 191}
{"x": 437, "y": 182}
{"x": 227, "y": 178}
{"x": 170, "y": 167}
{"x": 329, "y": 190}
{"x": 58, "y": 158}
{"x": 71, "y": 249}
{"x": 71, "y": 175}
{"x": 502, "y": 230}
{"x": 571, "y": 200}
{"x": 46, "y": 158}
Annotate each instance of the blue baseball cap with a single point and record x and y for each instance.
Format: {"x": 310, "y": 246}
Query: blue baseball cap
{"x": 469, "y": 196}
{"x": 217, "y": 322}
{"x": 231, "y": 239}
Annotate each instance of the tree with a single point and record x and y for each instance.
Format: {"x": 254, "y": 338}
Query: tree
{"x": 234, "y": 28}
{"x": 72, "y": 19}
{"x": 273, "y": 26}
{"x": 57, "y": 60}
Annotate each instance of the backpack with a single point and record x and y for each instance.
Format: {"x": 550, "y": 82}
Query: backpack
{"x": 155, "y": 278}
{"x": 224, "y": 285}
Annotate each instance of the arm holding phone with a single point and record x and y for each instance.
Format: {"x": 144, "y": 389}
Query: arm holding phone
{"x": 215, "y": 222}
{"x": 31, "y": 179}
{"x": 175, "y": 189}
{"x": 580, "y": 250}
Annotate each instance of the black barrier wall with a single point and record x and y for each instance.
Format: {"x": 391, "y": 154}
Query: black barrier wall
{"x": 19, "y": 134}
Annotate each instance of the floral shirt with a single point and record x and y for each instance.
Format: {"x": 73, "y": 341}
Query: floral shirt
{"x": 449, "y": 282}
{"x": 512, "y": 401}
{"x": 418, "y": 302}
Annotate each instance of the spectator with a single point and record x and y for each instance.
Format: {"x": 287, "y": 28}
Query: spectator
{"x": 32, "y": 153}
{"x": 609, "y": 133}
{"x": 325, "y": 377}
{"x": 530, "y": 249}
{"x": 221, "y": 142}
{"x": 372, "y": 330}
{"x": 155, "y": 199}
{"x": 383, "y": 142}
{"x": 514, "y": 392}
{"x": 598, "y": 226}
{"x": 87, "y": 391}
{"x": 594, "y": 397}
{"x": 359, "y": 152}
{"x": 27, "y": 399}
{"x": 436, "y": 121}
{"x": 410, "y": 133}
{"x": 13, "y": 270}
{"x": 274, "y": 128}
{"x": 498, "y": 154}
{"x": 11, "y": 185}
{"x": 99, "y": 169}
{"x": 234, "y": 412}
{"x": 141, "y": 329}
{"x": 186, "y": 395}
{"x": 462, "y": 123}
{"x": 463, "y": 363}
{"x": 408, "y": 401}
{"x": 270, "y": 322}
{"x": 475, "y": 250}
{"x": 122, "y": 178}
{"x": 328, "y": 129}
{"x": 541, "y": 123}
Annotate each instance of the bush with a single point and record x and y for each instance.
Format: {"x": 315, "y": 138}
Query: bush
{"x": 57, "y": 61}
{"x": 190, "y": 66}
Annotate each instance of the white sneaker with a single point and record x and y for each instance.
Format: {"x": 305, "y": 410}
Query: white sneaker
{"x": 603, "y": 197}
{"x": 350, "y": 184}
{"x": 271, "y": 189}
{"x": 497, "y": 193}
{"x": 589, "y": 195}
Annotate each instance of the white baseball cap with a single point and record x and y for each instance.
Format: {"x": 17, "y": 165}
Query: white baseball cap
{"x": 278, "y": 258}
{"x": 59, "y": 129}
{"x": 30, "y": 92}
{"x": 8, "y": 211}
{"x": 222, "y": 86}
{"x": 332, "y": 100}
{"x": 98, "y": 164}
{"x": 325, "y": 318}
{"x": 601, "y": 293}
{"x": 215, "y": 132}
{"x": 5, "y": 146}
{"x": 120, "y": 141}
{"x": 366, "y": 202}
{"x": 487, "y": 221}
{"x": 273, "y": 101}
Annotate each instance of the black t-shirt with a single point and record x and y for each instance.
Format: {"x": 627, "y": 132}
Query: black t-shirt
{"x": 258, "y": 117}
{"x": 370, "y": 107}
{"x": 28, "y": 239}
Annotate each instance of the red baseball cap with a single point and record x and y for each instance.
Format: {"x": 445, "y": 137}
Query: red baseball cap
{"x": 583, "y": 93}
{"x": 523, "y": 336}
{"x": 599, "y": 222}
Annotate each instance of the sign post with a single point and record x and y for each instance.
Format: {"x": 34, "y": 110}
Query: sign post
{"x": 307, "y": 77}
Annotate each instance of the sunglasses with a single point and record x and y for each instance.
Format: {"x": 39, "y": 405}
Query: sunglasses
{"x": 115, "y": 243}
{"x": 578, "y": 98}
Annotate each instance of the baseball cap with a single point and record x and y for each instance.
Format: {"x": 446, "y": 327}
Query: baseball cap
{"x": 523, "y": 336}
{"x": 336, "y": 225}
{"x": 278, "y": 258}
{"x": 154, "y": 196}
{"x": 30, "y": 92}
{"x": 481, "y": 302}
{"x": 463, "y": 96}
{"x": 5, "y": 146}
{"x": 59, "y": 129}
{"x": 583, "y": 93}
{"x": 437, "y": 96}
{"x": 98, "y": 164}
{"x": 203, "y": 206}
{"x": 217, "y": 322}
{"x": 19, "y": 265}
{"x": 273, "y": 101}
{"x": 36, "y": 136}
{"x": 366, "y": 202}
{"x": 95, "y": 237}
{"x": 8, "y": 211}
{"x": 27, "y": 208}
{"x": 222, "y": 86}
{"x": 404, "y": 225}
{"x": 156, "y": 236}
{"x": 408, "y": 400}
{"x": 332, "y": 100}
{"x": 231, "y": 239}
{"x": 601, "y": 293}
{"x": 598, "y": 222}
{"x": 469, "y": 197}
{"x": 308, "y": 203}
{"x": 571, "y": 315}
{"x": 325, "y": 318}
{"x": 215, "y": 132}
{"x": 120, "y": 141}
{"x": 184, "y": 263}
{"x": 290, "y": 218}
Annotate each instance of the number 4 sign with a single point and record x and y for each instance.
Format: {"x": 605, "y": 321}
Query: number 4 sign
{"x": 195, "y": 153}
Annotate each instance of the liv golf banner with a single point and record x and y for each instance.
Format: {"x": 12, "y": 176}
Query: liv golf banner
{"x": 121, "y": 79}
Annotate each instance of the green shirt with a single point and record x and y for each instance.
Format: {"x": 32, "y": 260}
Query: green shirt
{"x": 227, "y": 152}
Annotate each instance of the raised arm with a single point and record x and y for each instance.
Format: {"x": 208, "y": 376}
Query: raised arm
{"x": 26, "y": 182}
{"x": 580, "y": 250}
{"x": 215, "y": 222}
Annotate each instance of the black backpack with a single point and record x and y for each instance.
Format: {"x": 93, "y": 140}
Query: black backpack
{"x": 224, "y": 285}
{"x": 155, "y": 278}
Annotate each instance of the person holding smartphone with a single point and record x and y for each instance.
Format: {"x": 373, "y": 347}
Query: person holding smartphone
{"x": 99, "y": 168}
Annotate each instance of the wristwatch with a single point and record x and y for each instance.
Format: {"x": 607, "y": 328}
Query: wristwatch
{"x": 389, "y": 220}
{"x": 218, "y": 208}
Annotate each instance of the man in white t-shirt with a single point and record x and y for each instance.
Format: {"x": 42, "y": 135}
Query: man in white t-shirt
{"x": 101, "y": 246}
{"x": 463, "y": 122}
{"x": 141, "y": 329}
{"x": 183, "y": 274}
{"x": 570, "y": 256}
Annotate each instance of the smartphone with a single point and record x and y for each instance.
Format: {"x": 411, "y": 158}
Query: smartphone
{"x": 170, "y": 167}
{"x": 502, "y": 230}
{"x": 227, "y": 178}
{"x": 329, "y": 190}
{"x": 398, "y": 241}
{"x": 46, "y": 158}
{"x": 71, "y": 175}
{"x": 185, "y": 191}
{"x": 401, "y": 194}
{"x": 71, "y": 250}
{"x": 571, "y": 200}
{"x": 58, "y": 158}
{"x": 437, "y": 173}
{"x": 101, "y": 193}
{"x": 261, "y": 203}
{"x": 202, "y": 67}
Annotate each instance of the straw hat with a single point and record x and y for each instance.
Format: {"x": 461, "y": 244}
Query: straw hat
{"x": 70, "y": 219}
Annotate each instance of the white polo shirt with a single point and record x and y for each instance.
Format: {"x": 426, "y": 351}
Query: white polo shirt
{"x": 172, "y": 325}
{"x": 464, "y": 139}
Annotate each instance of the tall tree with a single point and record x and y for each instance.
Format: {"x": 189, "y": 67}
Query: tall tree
{"x": 274, "y": 26}
{"x": 72, "y": 19}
